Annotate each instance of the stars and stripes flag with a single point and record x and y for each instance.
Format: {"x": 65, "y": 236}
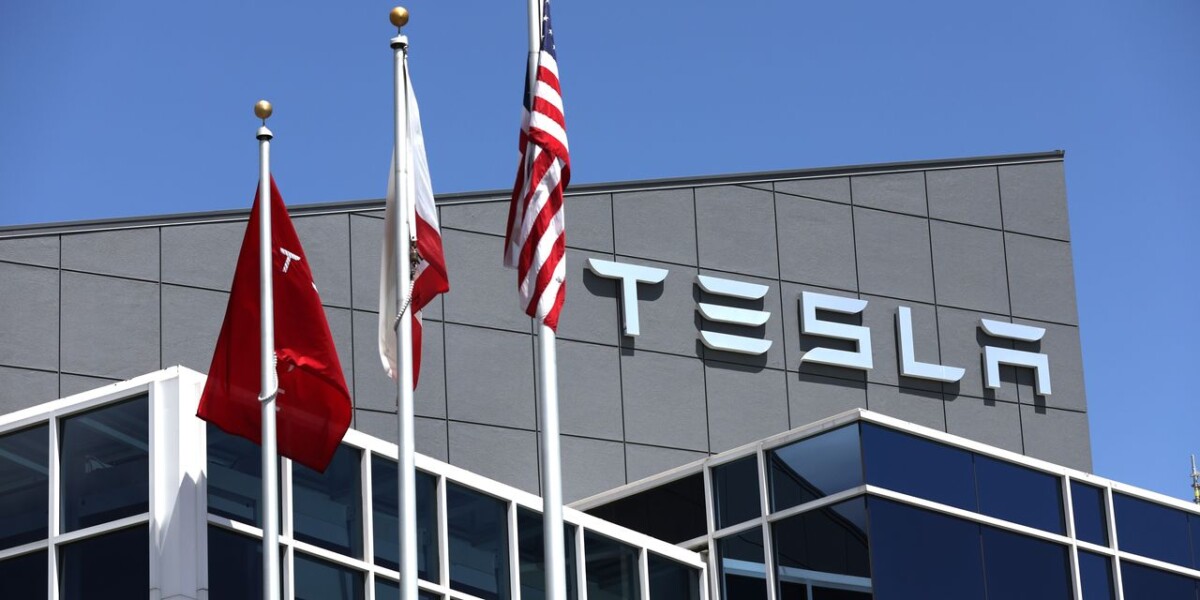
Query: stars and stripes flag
{"x": 535, "y": 243}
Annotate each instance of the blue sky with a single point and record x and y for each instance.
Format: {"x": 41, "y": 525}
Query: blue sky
{"x": 118, "y": 109}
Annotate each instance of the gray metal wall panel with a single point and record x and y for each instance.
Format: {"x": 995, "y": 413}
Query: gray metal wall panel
{"x": 816, "y": 242}
{"x": 29, "y": 316}
{"x": 110, "y": 326}
{"x": 22, "y": 388}
{"x": 326, "y": 243}
{"x": 893, "y": 255}
{"x": 896, "y": 192}
{"x": 970, "y": 196}
{"x": 968, "y": 267}
{"x": 834, "y": 189}
{"x": 735, "y": 230}
{"x": 191, "y": 322}
{"x": 41, "y": 251}
{"x": 124, "y": 253}
{"x": 201, "y": 255}
{"x": 658, "y": 225}
{"x": 1034, "y": 199}
{"x": 1040, "y": 278}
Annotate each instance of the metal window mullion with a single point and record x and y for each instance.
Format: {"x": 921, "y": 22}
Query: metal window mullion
{"x": 368, "y": 520}
{"x": 581, "y": 563}
{"x": 514, "y": 551}
{"x": 156, "y": 425}
{"x": 1073, "y": 555}
{"x": 1110, "y": 521}
{"x": 644, "y": 573}
{"x": 765, "y": 509}
{"x": 286, "y": 530}
{"x": 443, "y": 533}
{"x": 710, "y": 525}
{"x": 54, "y": 515}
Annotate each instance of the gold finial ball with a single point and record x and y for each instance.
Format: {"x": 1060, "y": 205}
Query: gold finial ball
{"x": 399, "y": 16}
{"x": 262, "y": 109}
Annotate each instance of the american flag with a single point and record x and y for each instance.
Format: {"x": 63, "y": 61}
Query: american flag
{"x": 536, "y": 239}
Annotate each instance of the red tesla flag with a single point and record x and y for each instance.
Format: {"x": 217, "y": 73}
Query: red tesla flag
{"x": 313, "y": 403}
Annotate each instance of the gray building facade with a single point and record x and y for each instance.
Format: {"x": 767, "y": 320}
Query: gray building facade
{"x": 954, "y": 241}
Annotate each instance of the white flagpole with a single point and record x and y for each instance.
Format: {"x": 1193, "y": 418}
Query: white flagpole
{"x": 267, "y": 381}
{"x": 552, "y": 521}
{"x": 404, "y": 382}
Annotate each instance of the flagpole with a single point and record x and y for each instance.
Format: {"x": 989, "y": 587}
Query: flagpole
{"x": 267, "y": 379}
{"x": 404, "y": 381}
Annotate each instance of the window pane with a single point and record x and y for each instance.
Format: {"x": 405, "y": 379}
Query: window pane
{"x": 24, "y": 576}
{"x": 672, "y": 512}
{"x": 327, "y": 506}
{"x": 1023, "y": 567}
{"x": 235, "y": 565}
{"x": 1095, "y": 576}
{"x": 478, "y": 527}
{"x": 105, "y": 464}
{"x": 670, "y": 580}
{"x": 386, "y": 589}
{"x": 1018, "y": 494}
{"x": 743, "y": 570}
{"x": 114, "y": 565}
{"x": 735, "y": 491}
{"x": 612, "y": 569}
{"x": 915, "y": 549}
{"x": 1152, "y": 530}
{"x": 320, "y": 580}
{"x": 815, "y": 467}
{"x": 530, "y": 544}
{"x": 386, "y": 503}
{"x": 24, "y": 486}
{"x": 823, "y": 547}
{"x": 1145, "y": 583}
{"x": 1087, "y": 502}
{"x": 234, "y": 477}
{"x": 920, "y": 467}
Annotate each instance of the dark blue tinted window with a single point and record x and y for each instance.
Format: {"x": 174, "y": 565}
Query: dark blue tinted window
{"x": 114, "y": 565}
{"x": 670, "y": 580}
{"x": 612, "y": 569}
{"x": 24, "y": 576}
{"x": 235, "y": 565}
{"x": 320, "y": 580}
{"x": 390, "y": 590}
{"x": 531, "y": 545}
{"x": 105, "y": 466}
{"x": 478, "y": 527}
{"x": 672, "y": 512}
{"x": 327, "y": 506}
{"x": 385, "y": 493}
{"x": 735, "y": 491}
{"x": 743, "y": 566}
{"x": 1087, "y": 502}
{"x": 920, "y": 467}
{"x": 1095, "y": 576}
{"x": 824, "y": 545}
{"x": 1145, "y": 583}
{"x": 234, "y": 477}
{"x": 815, "y": 467}
{"x": 1152, "y": 530}
{"x": 25, "y": 496}
{"x": 1022, "y": 567}
{"x": 918, "y": 554}
{"x": 1015, "y": 493}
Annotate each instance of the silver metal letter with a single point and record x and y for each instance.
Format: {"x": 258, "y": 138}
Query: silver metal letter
{"x": 810, "y": 302}
{"x": 993, "y": 357}
{"x": 629, "y": 276}
{"x": 909, "y": 367}
{"x": 736, "y": 316}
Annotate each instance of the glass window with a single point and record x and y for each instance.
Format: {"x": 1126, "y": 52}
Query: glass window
{"x": 327, "y": 507}
{"x": 24, "y": 576}
{"x": 821, "y": 547}
{"x": 1145, "y": 583}
{"x": 105, "y": 465}
{"x": 815, "y": 467}
{"x": 317, "y": 579}
{"x": 672, "y": 512}
{"x": 114, "y": 565}
{"x": 923, "y": 468}
{"x": 1087, "y": 503}
{"x": 670, "y": 580}
{"x": 531, "y": 545}
{"x": 612, "y": 569}
{"x": 743, "y": 568}
{"x": 234, "y": 477}
{"x": 386, "y": 589}
{"x": 235, "y": 565}
{"x": 915, "y": 549}
{"x": 25, "y": 476}
{"x": 386, "y": 504}
{"x": 735, "y": 491}
{"x": 1019, "y": 494}
{"x": 478, "y": 527}
{"x": 1019, "y": 566}
{"x": 1152, "y": 530}
{"x": 1095, "y": 576}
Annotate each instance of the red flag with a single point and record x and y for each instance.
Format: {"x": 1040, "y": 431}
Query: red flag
{"x": 313, "y": 406}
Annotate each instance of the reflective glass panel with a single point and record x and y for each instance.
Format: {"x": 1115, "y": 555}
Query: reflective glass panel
{"x": 327, "y": 507}
{"x": 735, "y": 491}
{"x": 530, "y": 544}
{"x": 823, "y": 548}
{"x": 320, "y": 580}
{"x": 917, "y": 466}
{"x": 386, "y": 589}
{"x": 1022, "y": 567}
{"x": 1145, "y": 583}
{"x": 672, "y": 512}
{"x": 815, "y": 467}
{"x": 1087, "y": 503}
{"x": 1018, "y": 494}
{"x": 1152, "y": 530}
{"x": 1095, "y": 576}
{"x": 612, "y": 569}
{"x": 24, "y": 576}
{"x": 917, "y": 553}
{"x": 743, "y": 566}
{"x": 386, "y": 504}
{"x": 234, "y": 477}
{"x": 24, "y": 486}
{"x": 235, "y": 565}
{"x": 105, "y": 467}
{"x": 670, "y": 580}
{"x": 114, "y": 565}
{"x": 478, "y": 527}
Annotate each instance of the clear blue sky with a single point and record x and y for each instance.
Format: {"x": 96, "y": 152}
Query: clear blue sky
{"x": 110, "y": 109}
